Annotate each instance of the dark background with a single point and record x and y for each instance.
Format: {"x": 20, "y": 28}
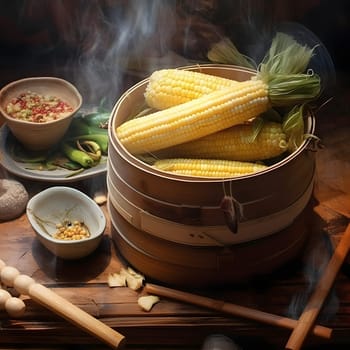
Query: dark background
{"x": 97, "y": 43}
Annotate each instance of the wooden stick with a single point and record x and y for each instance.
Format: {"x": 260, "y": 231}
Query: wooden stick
{"x": 61, "y": 306}
{"x": 232, "y": 309}
{"x": 315, "y": 303}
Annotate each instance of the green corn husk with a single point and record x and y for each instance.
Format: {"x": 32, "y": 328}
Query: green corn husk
{"x": 290, "y": 89}
{"x": 258, "y": 124}
{"x": 285, "y": 56}
{"x": 225, "y": 52}
{"x": 293, "y": 127}
{"x": 284, "y": 70}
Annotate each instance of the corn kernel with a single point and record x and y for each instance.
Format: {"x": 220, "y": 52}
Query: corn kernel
{"x": 71, "y": 231}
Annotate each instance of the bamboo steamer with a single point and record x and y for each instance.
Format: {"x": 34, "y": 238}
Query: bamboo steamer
{"x": 173, "y": 229}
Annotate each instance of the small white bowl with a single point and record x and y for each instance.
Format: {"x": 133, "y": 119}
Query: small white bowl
{"x": 56, "y": 204}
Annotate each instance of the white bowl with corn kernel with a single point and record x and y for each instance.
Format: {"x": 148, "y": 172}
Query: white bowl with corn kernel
{"x": 39, "y": 110}
{"x": 66, "y": 221}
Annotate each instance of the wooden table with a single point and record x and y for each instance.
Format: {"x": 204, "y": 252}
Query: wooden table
{"x": 174, "y": 324}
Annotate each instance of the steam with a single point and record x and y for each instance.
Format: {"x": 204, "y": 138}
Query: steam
{"x": 112, "y": 45}
{"x": 117, "y": 41}
{"x": 318, "y": 255}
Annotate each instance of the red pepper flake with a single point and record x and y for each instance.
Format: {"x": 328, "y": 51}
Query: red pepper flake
{"x": 33, "y": 107}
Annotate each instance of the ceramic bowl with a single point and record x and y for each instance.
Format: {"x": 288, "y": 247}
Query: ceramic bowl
{"x": 55, "y": 205}
{"x": 40, "y": 136}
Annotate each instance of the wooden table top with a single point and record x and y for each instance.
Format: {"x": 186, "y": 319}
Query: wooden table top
{"x": 172, "y": 323}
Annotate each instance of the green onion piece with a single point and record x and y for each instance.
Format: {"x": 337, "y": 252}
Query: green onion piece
{"x": 77, "y": 156}
{"x": 100, "y": 139}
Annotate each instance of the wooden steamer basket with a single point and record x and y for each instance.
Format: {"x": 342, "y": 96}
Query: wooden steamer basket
{"x": 172, "y": 229}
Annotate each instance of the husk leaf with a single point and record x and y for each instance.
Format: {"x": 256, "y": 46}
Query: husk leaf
{"x": 293, "y": 127}
{"x": 292, "y": 89}
{"x": 225, "y": 52}
{"x": 256, "y": 127}
{"x": 284, "y": 70}
{"x": 285, "y": 56}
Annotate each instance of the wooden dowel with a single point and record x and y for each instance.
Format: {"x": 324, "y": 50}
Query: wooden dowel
{"x": 315, "y": 303}
{"x": 232, "y": 309}
{"x": 46, "y": 297}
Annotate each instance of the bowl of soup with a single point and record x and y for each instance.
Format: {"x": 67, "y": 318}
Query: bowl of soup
{"x": 38, "y": 110}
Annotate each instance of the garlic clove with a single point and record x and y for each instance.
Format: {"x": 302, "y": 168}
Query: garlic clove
{"x": 148, "y": 301}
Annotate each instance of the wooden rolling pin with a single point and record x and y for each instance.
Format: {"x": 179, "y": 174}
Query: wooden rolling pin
{"x": 44, "y": 296}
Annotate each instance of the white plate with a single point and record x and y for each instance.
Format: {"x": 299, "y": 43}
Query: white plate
{"x": 58, "y": 175}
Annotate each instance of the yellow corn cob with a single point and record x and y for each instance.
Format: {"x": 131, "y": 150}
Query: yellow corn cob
{"x": 205, "y": 115}
{"x": 236, "y": 143}
{"x": 207, "y": 167}
{"x": 170, "y": 87}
